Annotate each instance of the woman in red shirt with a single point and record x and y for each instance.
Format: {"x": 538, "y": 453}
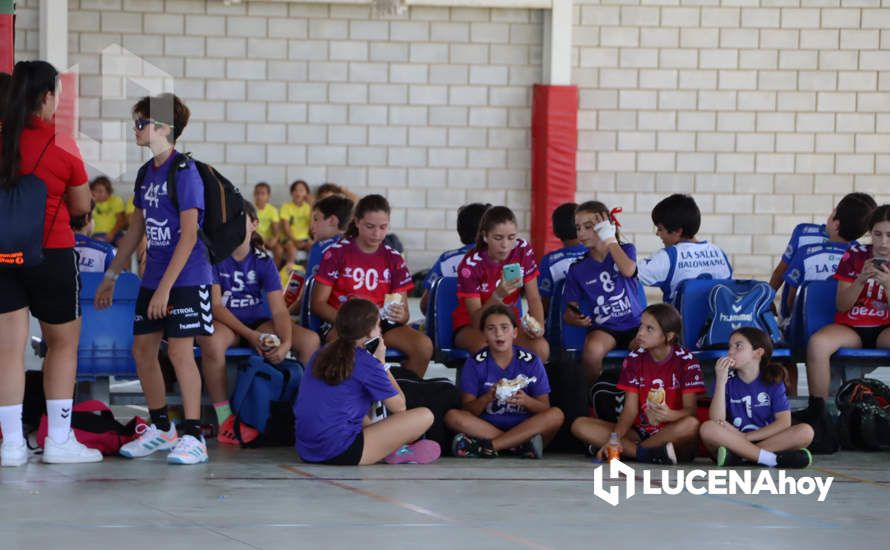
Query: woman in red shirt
{"x": 50, "y": 290}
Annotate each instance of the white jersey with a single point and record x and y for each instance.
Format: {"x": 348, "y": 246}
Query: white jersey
{"x": 670, "y": 266}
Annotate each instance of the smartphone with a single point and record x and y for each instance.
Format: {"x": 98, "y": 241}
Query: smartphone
{"x": 879, "y": 262}
{"x": 372, "y": 344}
{"x": 575, "y": 309}
{"x": 512, "y": 272}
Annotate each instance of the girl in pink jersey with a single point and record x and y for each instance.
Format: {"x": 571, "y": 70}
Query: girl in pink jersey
{"x": 480, "y": 283}
{"x": 361, "y": 266}
{"x": 862, "y": 319}
{"x": 661, "y": 382}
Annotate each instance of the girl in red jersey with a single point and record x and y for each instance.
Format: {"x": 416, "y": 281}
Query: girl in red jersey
{"x": 361, "y": 266}
{"x": 480, "y": 283}
{"x": 661, "y": 381}
{"x": 862, "y": 319}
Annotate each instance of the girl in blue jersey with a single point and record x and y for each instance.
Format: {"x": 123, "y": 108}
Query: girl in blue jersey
{"x": 603, "y": 288}
{"x": 248, "y": 302}
{"x": 750, "y": 415}
{"x": 525, "y": 422}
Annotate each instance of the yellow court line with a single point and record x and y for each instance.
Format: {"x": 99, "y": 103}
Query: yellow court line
{"x": 413, "y": 508}
{"x": 852, "y": 478}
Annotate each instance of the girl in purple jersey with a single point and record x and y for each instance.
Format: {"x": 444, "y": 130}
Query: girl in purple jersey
{"x": 750, "y": 416}
{"x": 605, "y": 284}
{"x": 524, "y": 422}
{"x": 247, "y": 304}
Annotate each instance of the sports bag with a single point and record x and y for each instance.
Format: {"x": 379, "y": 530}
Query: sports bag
{"x": 223, "y": 228}
{"x": 94, "y": 425}
{"x": 864, "y": 422}
{"x": 263, "y": 399}
{"x": 606, "y": 400}
{"x": 439, "y": 395}
{"x": 739, "y": 304}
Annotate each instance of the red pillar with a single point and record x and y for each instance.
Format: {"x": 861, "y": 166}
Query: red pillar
{"x": 7, "y": 35}
{"x": 554, "y": 148}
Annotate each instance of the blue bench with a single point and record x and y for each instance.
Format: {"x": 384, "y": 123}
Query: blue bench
{"x": 442, "y": 303}
{"x": 106, "y": 336}
{"x": 817, "y": 309}
{"x": 693, "y": 300}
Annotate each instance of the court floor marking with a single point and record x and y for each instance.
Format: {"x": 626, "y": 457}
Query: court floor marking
{"x": 414, "y": 508}
{"x": 849, "y": 477}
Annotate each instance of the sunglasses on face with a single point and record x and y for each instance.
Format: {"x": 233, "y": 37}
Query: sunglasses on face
{"x": 141, "y": 123}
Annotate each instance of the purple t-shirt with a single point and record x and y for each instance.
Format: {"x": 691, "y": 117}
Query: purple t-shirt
{"x": 612, "y": 300}
{"x": 244, "y": 285}
{"x": 328, "y": 418}
{"x": 481, "y": 372}
{"x": 162, "y": 223}
{"x": 752, "y": 406}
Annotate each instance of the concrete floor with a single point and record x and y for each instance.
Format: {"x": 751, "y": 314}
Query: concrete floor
{"x": 267, "y": 499}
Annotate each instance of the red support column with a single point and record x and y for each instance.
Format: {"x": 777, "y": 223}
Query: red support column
{"x": 554, "y": 148}
{"x": 7, "y": 35}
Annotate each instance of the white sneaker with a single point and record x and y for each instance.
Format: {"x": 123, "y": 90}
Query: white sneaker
{"x": 71, "y": 451}
{"x": 189, "y": 450}
{"x": 13, "y": 455}
{"x": 150, "y": 439}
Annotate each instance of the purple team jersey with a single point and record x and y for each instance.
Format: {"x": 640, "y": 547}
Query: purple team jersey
{"x": 612, "y": 300}
{"x": 244, "y": 285}
{"x": 162, "y": 223}
{"x": 328, "y": 418}
{"x": 752, "y": 406}
{"x": 481, "y": 372}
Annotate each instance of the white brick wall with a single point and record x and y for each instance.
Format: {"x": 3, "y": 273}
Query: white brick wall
{"x": 767, "y": 111}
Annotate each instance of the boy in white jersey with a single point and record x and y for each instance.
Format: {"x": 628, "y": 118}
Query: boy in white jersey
{"x": 677, "y": 220}
{"x": 93, "y": 255}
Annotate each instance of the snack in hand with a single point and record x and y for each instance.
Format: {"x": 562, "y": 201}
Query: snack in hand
{"x": 531, "y": 324}
{"x": 656, "y": 396}
{"x": 508, "y": 388}
{"x": 269, "y": 341}
{"x": 388, "y": 301}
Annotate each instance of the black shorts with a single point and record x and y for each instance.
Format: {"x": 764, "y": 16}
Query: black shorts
{"x": 869, "y": 335}
{"x": 351, "y": 456}
{"x": 50, "y": 290}
{"x": 623, "y": 338}
{"x": 188, "y": 313}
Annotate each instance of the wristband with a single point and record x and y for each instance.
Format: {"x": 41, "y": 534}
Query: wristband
{"x": 111, "y": 275}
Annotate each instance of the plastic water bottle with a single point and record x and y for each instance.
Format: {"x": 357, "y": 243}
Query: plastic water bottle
{"x": 613, "y": 451}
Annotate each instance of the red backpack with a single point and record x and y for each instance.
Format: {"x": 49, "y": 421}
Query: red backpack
{"x": 94, "y": 426}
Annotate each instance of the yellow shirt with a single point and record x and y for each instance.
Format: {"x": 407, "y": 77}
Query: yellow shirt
{"x": 105, "y": 214}
{"x": 130, "y": 207}
{"x": 267, "y": 216}
{"x": 298, "y": 217}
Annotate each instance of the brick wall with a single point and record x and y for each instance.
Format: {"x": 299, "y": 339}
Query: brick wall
{"x": 767, "y": 111}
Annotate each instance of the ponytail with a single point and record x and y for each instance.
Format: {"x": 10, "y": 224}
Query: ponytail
{"x": 368, "y": 203}
{"x": 770, "y": 372}
{"x": 355, "y": 319}
{"x": 256, "y": 240}
{"x": 31, "y": 81}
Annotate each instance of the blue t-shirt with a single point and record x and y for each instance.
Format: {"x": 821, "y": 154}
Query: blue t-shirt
{"x": 612, "y": 301}
{"x": 670, "y": 266}
{"x": 94, "y": 256}
{"x": 328, "y": 418}
{"x": 446, "y": 265}
{"x": 244, "y": 285}
{"x": 555, "y": 265}
{"x": 752, "y": 406}
{"x": 315, "y": 253}
{"x": 804, "y": 234}
{"x": 162, "y": 223}
{"x": 481, "y": 372}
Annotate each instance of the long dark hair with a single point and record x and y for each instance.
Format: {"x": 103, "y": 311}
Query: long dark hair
{"x": 355, "y": 319}
{"x": 771, "y": 373}
{"x": 596, "y": 207}
{"x": 878, "y": 215}
{"x": 256, "y": 240}
{"x": 668, "y": 319}
{"x": 31, "y": 81}
{"x": 368, "y": 203}
{"x": 493, "y": 216}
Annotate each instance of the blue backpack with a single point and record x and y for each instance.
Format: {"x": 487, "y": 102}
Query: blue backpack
{"x": 264, "y": 399}
{"x": 23, "y": 211}
{"x": 739, "y": 304}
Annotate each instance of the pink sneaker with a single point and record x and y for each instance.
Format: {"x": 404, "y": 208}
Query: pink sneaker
{"x": 227, "y": 432}
{"x": 422, "y": 451}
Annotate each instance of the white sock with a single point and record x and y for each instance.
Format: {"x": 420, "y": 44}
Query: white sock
{"x": 767, "y": 458}
{"x": 58, "y": 412}
{"x": 11, "y": 424}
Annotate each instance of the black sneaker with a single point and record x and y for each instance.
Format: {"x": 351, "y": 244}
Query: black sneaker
{"x": 533, "y": 448}
{"x": 794, "y": 459}
{"x": 802, "y": 416}
{"x": 824, "y": 434}
{"x": 662, "y": 455}
{"x": 464, "y": 446}
{"x": 727, "y": 458}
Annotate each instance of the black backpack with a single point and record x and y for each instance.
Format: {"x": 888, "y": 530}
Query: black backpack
{"x": 605, "y": 397}
{"x": 224, "y": 227}
{"x": 23, "y": 211}
{"x": 439, "y": 395}
{"x": 864, "y": 422}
